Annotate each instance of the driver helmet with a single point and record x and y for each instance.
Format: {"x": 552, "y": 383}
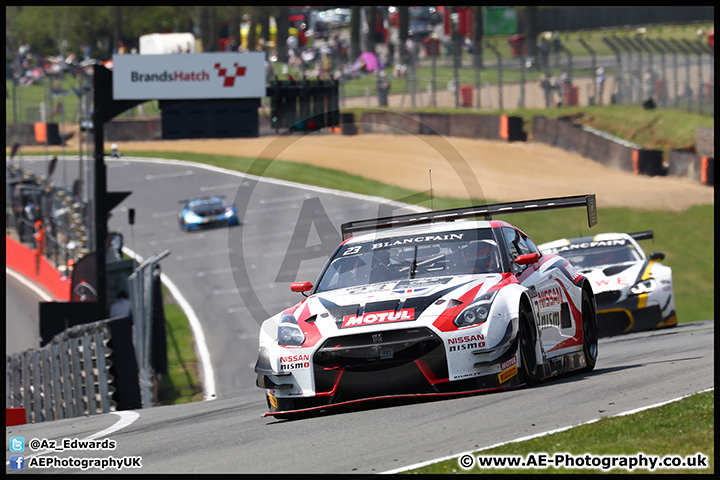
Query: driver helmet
{"x": 485, "y": 258}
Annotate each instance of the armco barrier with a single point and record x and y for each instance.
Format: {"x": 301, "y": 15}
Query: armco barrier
{"x": 490, "y": 127}
{"x": 23, "y": 260}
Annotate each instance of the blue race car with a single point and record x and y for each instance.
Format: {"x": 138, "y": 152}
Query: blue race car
{"x": 207, "y": 212}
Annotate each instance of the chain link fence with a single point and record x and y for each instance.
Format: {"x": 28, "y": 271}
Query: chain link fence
{"x": 655, "y": 72}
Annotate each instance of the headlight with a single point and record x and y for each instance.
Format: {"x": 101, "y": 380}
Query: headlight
{"x": 477, "y": 312}
{"x": 646, "y": 286}
{"x": 289, "y": 333}
{"x": 229, "y": 212}
{"x": 191, "y": 216}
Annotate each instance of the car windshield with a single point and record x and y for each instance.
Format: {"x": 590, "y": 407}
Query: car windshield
{"x": 464, "y": 252}
{"x": 594, "y": 257}
{"x": 207, "y": 203}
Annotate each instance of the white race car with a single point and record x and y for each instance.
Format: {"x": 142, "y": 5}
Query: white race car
{"x": 634, "y": 292}
{"x": 430, "y": 304}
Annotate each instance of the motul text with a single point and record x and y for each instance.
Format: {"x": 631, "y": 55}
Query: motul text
{"x": 379, "y": 317}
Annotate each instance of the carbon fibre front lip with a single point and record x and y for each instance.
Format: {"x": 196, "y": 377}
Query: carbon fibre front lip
{"x": 389, "y": 397}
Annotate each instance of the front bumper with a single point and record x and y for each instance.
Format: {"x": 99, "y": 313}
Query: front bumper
{"x": 206, "y": 225}
{"x": 399, "y": 363}
{"x": 618, "y": 317}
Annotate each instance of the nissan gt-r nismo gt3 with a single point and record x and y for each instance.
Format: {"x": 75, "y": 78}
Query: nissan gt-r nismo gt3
{"x": 634, "y": 292}
{"x": 430, "y": 304}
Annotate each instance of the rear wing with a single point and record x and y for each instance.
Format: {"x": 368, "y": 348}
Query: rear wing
{"x": 201, "y": 198}
{"x": 350, "y": 229}
{"x": 646, "y": 235}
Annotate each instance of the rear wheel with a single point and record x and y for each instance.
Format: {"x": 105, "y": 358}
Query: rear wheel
{"x": 590, "y": 333}
{"x": 528, "y": 340}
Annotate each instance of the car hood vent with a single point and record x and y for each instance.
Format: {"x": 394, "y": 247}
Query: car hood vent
{"x": 615, "y": 269}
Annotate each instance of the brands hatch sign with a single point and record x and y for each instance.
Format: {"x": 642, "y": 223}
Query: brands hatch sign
{"x": 189, "y": 76}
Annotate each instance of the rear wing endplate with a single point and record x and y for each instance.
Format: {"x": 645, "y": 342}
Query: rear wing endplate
{"x": 351, "y": 229}
{"x": 646, "y": 235}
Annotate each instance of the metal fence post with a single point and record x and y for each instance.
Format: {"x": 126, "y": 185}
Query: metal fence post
{"x": 57, "y": 389}
{"x": 618, "y": 69}
{"x": 699, "y": 52}
{"x": 630, "y": 73}
{"x": 478, "y": 64}
{"x": 48, "y": 401}
{"x": 676, "y": 82}
{"x": 500, "y": 77}
{"x": 67, "y": 383}
{"x": 687, "y": 90}
{"x": 521, "y": 100}
{"x": 664, "y": 91}
{"x": 140, "y": 283}
{"x": 592, "y": 67}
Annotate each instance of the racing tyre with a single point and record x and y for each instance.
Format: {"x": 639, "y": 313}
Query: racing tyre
{"x": 528, "y": 340}
{"x": 590, "y": 333}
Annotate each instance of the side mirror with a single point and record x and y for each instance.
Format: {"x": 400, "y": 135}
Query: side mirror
{"x": 301, "y": 287}
{"x": 527, "y": 259}
{"x": 657, "y": 256}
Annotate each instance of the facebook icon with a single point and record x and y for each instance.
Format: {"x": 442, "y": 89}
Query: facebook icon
{"x": 17, "y": 462}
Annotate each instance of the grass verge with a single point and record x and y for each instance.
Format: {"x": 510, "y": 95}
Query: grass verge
{"x": 181, "y": 384}
{"x": 683, "y": 428}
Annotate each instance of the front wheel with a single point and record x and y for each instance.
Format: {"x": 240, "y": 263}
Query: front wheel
{"x": 590, "y": 333}
{"x": 528, "y": 340}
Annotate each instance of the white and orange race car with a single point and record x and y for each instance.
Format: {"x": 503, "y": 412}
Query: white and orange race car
{"x": 441, "y": 303}
{"x": 634, "y": 292}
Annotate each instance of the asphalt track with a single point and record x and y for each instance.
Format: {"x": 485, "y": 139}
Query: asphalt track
{"x": 228, "y": 435}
